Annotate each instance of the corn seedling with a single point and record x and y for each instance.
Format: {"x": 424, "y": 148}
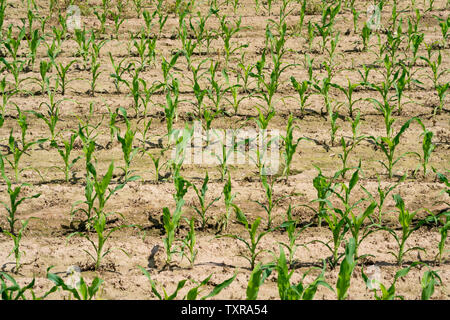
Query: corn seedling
{"x": 346, "y": 270}
{"x": 20, "y": 147}
{"x": 33, "y": 45}
{"x": 290, "y": 147}
{"x": 293, "y": 234}
{"x": 188, "y": 244}
{"x": 14, "y": 291}
{"x": 80, "y": 290}
{"x": 99, "y": 225}
{"x": 62, "y": 73}
{"x": 434, "y": 65}
{"x": 156, "y": 159}
{"x": 204, "y": 205}
{"x": 228, "y": 198}
{"x": 259, "y": 274}
{"x": 348, "y": 146}
{"x": 216, "y": 92}
{"x": 389, "y": 144}
{"x": 252, "y": 244}
{"x": 101, "y": 16}
{"x": 427, "y": 149}
{"x": 443, "y": 231}
{"x": 119, "y": 70}
{"x": 95, "y": 66}
{"x": 16, "y": 243}
{"x": 302, "y": 90}
{"x": 386, "y": 293}
{"x": 171, "y": 222}
{"x": 382, "y": 193}
{"x": 355, "y": 15}
{"x": 236, "y": 101}
{"x": 14, "y": 199}
{"x": 288, "y": 291}
{"x": 90, "y": 197}
{"x": 84, "y": 44}
{"x": 227, "y": 31}
{"x": 325, "y": 28}
{"x": 271, "y": 202}
{"x": 429, "y": 280}
{"x": 355, "y": 222}
{"x": 52, "y": 115}
{"x": 118, "y": 21}
{"x": 192, "y": 293}
{"x": 405, "y": 218}
{"x": 44, "y": 80}
{"x": 442, "y": 92}
{"x": 126, "y": 142}
{"x": 170, "y": 108}
{"x": 348, "y": 92}
{"x": 65, "y": 154}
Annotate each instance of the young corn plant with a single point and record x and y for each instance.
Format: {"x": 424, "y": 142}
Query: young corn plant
{"x": 20, "y": 147}
{"x": 290, "y": 147}
{"x": 44, "y": 81}
{"x": 52, "y": 116}
{"x": 118, "y": 21}
{"x": 95, "y": 65}
{"x": 226, "y": 32}
{"x": 252, "y": 243}
{"x": 355, "y": 222}
{"x": 427, "y": 149}
{"x": 171, "y": 222}
{"x": 365, "y": 35}
{"x": 443, "y": 231}
{"x": 126, "y": 142}
{"x": 170, "y": 108}
{"x": 192, "y": 293}
{"x": 302, "y": 90}
{"x": 79, "y": 290}
{"x": 14, "y": 291}
{"x": 442, "y": 92}
{"x": 62, "y": 74}
{"x": 290, "y": 225}
{"x": 216, "y": 92}
{"x": 434, "y": 65}
{"x": 348, "y": 92}
{"x": 348, "y": 146}
{"x": 16, "y": 238}
{"x": 428, "y": 282}
{"x": 228, "y": 198}
{"x": 386, "y": 293}
{"x": 98, "y": 222}
{"x": 236, "y": 98}
{"x": 346, "y": 270}
{"x": 325, "y": 28}
{"x": 288, "y": 291}
{"x": 15, "y": 200}
{"x": 65, "y": 153}
{"x": 119, "y": 70}
{"x": 188, "y": 249}
{"x": 271, "y": 201}
{"x": 382, "y": 193}
{"x": 257, "y": 278}
{"x": 84, "y": 45}
{"x": 389, "y": 143}
{"x": 406, "y": 221}
{"x": 204, "y": 205}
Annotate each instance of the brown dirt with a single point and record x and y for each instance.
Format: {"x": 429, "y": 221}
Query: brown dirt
{"x": 45, "y": 242}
